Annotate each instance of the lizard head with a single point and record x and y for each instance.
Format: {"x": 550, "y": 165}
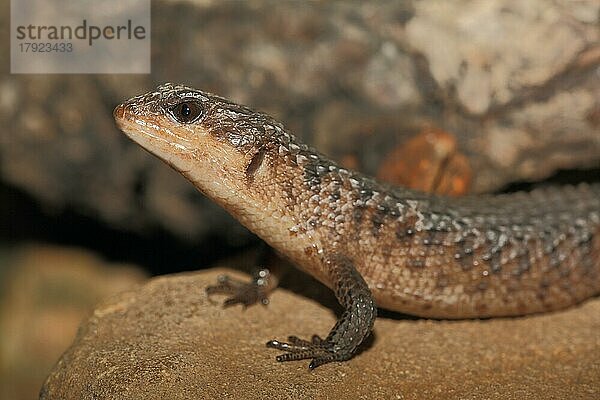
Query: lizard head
{"x": 220, "y": 146}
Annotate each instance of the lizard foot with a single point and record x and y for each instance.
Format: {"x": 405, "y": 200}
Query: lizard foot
{"x": 353, "y": 326}
{"x": 322, "y": 351}
{"x": 245, "y": 293}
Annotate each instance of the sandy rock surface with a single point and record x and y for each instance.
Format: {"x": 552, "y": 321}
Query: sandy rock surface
{"x": 166, "y": 340}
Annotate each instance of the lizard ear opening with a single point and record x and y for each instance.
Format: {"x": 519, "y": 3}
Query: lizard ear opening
{"x": 255, "y": 163}
{"x": 187, "y": 111}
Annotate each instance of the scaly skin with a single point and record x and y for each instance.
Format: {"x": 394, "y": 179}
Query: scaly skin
{"x": 372, "y": 243}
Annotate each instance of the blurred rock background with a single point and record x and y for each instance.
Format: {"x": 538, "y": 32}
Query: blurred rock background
{"x": 46, "y": 292}
{"x": 514, "y": 86}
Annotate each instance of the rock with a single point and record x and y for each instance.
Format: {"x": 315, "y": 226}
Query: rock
{"x": 499, "y": 58}
{"x": 46, "y": 292}
{"x": 515, "y": 82}
{"x": 166, "y": 340}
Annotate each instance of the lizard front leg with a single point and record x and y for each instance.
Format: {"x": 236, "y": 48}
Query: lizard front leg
{"x": 264, "y": 281}
{"x": 245, "y": 293}
{"x": 349, "y": 331}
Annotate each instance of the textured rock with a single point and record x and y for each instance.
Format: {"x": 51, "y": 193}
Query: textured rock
{"x": 168, "y": 341}
{"x": 507, "y": 46}
{"x": 515, "y": 82}
{"x": 45, "y": 293}
{"x": 516, "y": 69}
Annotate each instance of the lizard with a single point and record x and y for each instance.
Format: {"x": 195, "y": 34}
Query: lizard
{"x": 375, "y": 245}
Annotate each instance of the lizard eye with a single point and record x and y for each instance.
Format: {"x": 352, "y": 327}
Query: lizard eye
{"x": 187, "y": 111}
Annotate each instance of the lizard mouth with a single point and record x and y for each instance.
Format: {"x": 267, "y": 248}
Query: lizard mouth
{"x": 157, "y": 136}
{"x": 146, "y": 131}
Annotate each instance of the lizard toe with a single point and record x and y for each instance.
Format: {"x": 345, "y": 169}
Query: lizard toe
{"x": 320, "y": 351}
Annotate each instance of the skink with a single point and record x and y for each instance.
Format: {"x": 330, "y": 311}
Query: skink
{"x": 374, "y": 245}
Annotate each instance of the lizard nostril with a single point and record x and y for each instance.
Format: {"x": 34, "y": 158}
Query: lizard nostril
{"x": 119, "y": 111}
{"x": 122, "y": 113}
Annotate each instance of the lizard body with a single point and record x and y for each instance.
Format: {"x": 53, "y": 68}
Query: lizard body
{"x": 374, "y": 244}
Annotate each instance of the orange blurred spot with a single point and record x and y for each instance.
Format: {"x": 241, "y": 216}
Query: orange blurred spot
{"x": 429, "y": 162}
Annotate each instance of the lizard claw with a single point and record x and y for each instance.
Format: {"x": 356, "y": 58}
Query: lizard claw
{"x": 245, "y": 293}
{"x": 321, "y": 351}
